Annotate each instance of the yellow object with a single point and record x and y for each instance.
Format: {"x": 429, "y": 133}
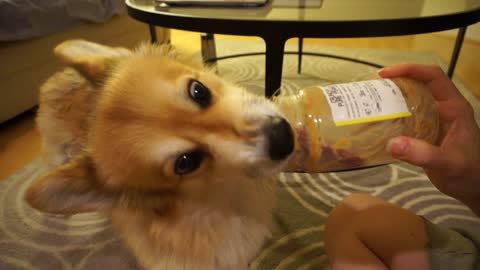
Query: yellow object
{"x": 347, "y": 126}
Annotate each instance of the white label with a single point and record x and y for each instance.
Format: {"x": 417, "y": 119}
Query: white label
{"x": 367, "y": 101}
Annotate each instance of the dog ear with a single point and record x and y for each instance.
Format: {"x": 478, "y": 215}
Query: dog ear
{"x": 92, "y": 60}
{"x": 72, "y": 188}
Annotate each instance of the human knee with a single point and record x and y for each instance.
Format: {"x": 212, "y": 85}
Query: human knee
{"x": 355, "y": 203}
{"x": 355, "y": 210}
{"x": 341, "y": 217}
{"x": 384, "y": 228}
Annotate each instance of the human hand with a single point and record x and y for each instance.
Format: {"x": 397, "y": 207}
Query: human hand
{"x": 453, "y": 165}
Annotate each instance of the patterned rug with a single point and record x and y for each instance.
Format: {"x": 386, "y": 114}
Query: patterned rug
{"x": 32, "y": 240}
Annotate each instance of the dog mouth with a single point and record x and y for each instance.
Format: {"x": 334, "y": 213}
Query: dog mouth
{"x": 280, "y": 139}
{"x": 270, "y": 155}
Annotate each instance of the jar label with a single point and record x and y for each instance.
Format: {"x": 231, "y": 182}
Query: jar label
{"x": 366, "y": 101}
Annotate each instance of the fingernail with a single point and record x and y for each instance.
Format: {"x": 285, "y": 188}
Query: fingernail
{"x": 381, "y": 71}
{"x": 398, "y": 146}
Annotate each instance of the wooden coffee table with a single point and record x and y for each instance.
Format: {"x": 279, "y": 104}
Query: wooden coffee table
{"x": 280, "y": 20}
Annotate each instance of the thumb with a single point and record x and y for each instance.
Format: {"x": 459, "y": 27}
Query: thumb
{"x": 416, "y": 152}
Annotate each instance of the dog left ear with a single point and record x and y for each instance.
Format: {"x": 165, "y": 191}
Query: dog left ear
{"x": 92, "y": 60}
{"x": 70, "y": 189}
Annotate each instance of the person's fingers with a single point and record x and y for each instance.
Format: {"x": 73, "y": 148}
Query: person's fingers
{"x": 441, "y": 87}
{"x": 417, "y": 152}
{"x": 424, "y": 73}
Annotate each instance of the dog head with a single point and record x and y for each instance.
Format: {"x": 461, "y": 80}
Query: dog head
{"x": 164, "y": 130}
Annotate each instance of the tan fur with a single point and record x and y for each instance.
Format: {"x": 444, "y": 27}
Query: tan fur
{"x": 113, "y": 126}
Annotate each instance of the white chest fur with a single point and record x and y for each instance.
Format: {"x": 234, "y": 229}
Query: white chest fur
{"x": 198, "y": 237}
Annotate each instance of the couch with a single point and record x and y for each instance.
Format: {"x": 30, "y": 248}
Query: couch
{"x": 26, "y": 60}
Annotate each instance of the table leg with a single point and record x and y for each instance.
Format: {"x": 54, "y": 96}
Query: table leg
{"x": 273, "y": 65}
{"x": 456, "y": 50}
{"x": 153, "y": 33}
{"x": 300, "y": 52}
{"x": 209, "y": 51}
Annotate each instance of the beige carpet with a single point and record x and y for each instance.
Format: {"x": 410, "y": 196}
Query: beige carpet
{"x": 32, "y": 240}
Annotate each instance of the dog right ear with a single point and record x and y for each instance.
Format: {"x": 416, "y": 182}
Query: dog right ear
{"x": 92, "y": 60}
{"x": 70, "y": 189}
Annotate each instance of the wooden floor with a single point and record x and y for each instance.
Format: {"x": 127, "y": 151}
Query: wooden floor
{"x": 20, "y": 140}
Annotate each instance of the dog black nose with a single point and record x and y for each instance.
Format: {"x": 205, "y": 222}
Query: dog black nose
{"x": 280, "y": 138}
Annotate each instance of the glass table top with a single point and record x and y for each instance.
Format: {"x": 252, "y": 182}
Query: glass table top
{"x": 320, "y": 10}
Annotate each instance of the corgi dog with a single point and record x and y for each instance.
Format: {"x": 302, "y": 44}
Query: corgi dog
{"x": 179, "y": 159}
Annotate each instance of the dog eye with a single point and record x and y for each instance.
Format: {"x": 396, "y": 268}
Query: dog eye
{"x": 188, "y": 162}
{"x": 199, "y": 93}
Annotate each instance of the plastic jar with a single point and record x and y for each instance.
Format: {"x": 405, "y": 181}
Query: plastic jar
{"x": 347, "y": 126}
